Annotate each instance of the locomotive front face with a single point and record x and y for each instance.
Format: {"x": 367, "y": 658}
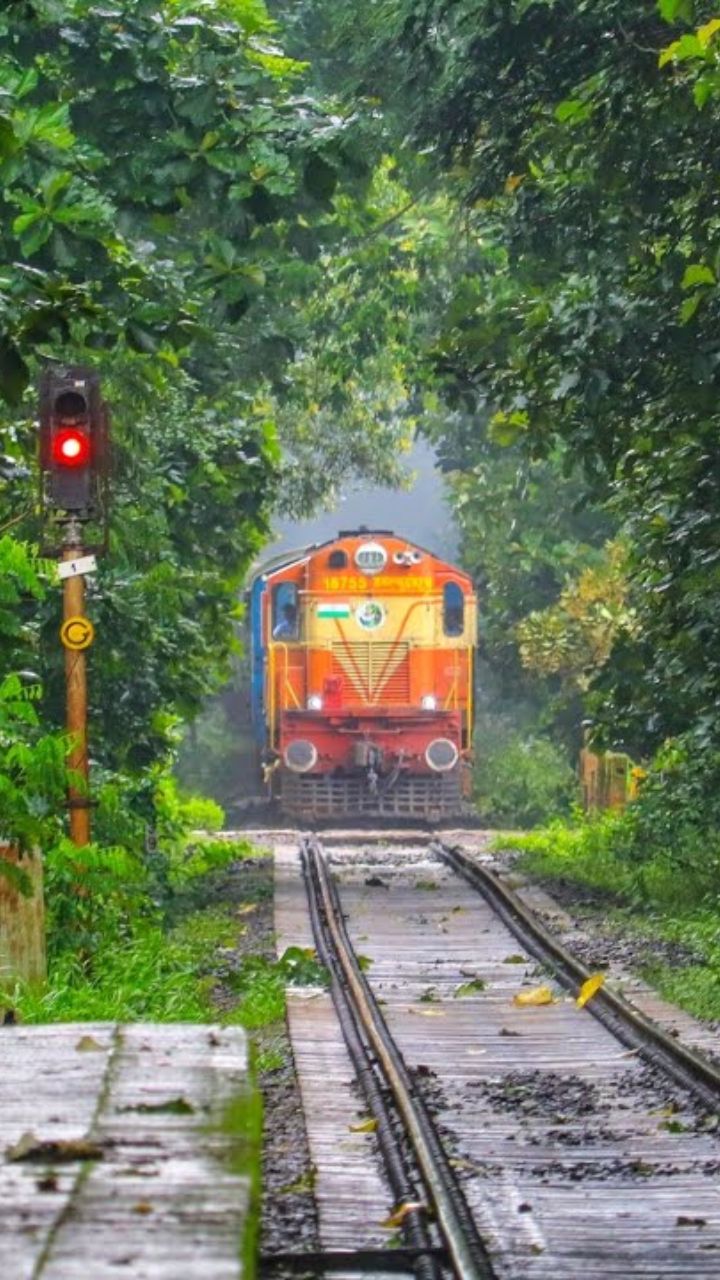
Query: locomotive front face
{"x": 369, "y": 666}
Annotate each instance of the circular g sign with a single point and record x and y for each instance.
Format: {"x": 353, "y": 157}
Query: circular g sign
{"x": 77, "y": 633}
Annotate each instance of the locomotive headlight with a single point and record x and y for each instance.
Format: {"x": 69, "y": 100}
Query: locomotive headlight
{"x": 314, "y": 702}
{"x": 428, "y": 702}
{"x": 300, "y": 755}
{"x": 442, "y": 755}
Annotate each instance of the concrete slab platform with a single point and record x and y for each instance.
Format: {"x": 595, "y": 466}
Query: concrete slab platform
{"x": 126, "y": 1151}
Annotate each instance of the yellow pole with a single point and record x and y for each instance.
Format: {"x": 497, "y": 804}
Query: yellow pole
{"x": 76, "y": 693}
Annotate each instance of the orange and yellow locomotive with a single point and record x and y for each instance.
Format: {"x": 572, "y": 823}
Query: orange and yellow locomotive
{"x": 362, "y": 652}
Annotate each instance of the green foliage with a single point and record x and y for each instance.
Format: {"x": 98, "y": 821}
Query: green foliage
{"x": 192, "y": 269}
{"x": 32, "y": 762}
{"x": 587, "y": 318}
{"x": 188, "y": 812}
{"x": 149, "y": 977}
{"x": 300, "y": 967}
{"x": 202, "y": 857}
{"x": 662, "y": 852}
{"x": 95, "y": 894}
{"x": 677, "y": 814}
{"x": 519, "y": 779}
{"x": 574, "y": 638}
{"x": 259, "y": 985}
{"x": 130, "y": 941}
{"x": 527, "y": 526}
{"x": 218, "y": 754}
{"x": 648, "y": 884}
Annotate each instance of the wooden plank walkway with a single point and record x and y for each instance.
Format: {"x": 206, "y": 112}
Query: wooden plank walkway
{"x": 125, "y": 1152}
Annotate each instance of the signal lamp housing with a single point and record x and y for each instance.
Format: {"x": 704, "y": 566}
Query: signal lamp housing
{"x": 73, "y": 441}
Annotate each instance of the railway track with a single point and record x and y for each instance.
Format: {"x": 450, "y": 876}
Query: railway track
{"x": 502, "y": 1140}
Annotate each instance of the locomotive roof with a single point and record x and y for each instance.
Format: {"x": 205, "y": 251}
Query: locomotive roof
{"x": 282, "y": 558}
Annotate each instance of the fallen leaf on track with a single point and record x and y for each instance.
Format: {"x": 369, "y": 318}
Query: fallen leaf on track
{"x": 536, "y": 995}
{"x": 28, "y": 1147}
{"x": 589, "y": 987}
{"x": 470, "y": 988}
{"x": 364, "y": 1126}
{"x": 397, "y": 1218}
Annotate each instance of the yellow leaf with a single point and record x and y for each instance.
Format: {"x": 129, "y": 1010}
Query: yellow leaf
{"x": 399, "y": 1215}
{"x": 706, "y": 32}
{"x": 589, "y": 987}
{"x": 428, "y": 1013}
{"x": 513, "y": 182}
{"x": 668, "y": 53}
{"x": 537, "y": 995}
{"x": 364, "y": 1126}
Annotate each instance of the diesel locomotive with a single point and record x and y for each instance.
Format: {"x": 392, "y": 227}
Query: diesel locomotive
{"x": 362, "y": 678}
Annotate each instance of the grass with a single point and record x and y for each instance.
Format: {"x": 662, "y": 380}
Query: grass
{"x": 653, "y": 899}
{"x": 152, "y": 966}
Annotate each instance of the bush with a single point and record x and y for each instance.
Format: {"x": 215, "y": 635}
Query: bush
{"x": 521, "y": 780}
{"x": 677, "y": 813}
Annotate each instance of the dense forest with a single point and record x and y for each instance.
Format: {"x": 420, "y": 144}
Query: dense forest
{"x": 292, "y": 238}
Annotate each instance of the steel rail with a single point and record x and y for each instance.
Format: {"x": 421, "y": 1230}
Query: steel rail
{"x": 322, "y": 1261}
{"x": 467, "y": 1252}
{"x": 627, "y": 1024}
{"x": 425, "y": 1264}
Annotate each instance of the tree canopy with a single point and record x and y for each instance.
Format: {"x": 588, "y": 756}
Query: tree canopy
{"x": 580, "y": 141}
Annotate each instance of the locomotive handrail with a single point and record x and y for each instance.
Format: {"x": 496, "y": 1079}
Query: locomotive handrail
{"x": 470, "y": 710}
{"x": 287, "y": 685}
{"x": 271, "y": 696}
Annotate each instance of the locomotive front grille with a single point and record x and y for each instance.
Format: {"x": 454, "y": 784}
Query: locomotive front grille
{"x": 312, "y": 796}
{"x": 373, "y": 671}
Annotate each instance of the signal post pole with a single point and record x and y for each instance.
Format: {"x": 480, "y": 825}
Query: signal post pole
{"x": 73, "y": 467}
{"x": 76, "y": 685}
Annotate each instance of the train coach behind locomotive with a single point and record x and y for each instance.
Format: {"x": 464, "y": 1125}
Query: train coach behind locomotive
{"x": 362, "y": 677}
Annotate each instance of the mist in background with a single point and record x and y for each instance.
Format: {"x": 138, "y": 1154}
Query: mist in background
{"x": 420, "y": 513}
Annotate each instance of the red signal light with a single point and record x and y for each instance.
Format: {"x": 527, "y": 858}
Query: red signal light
{"x": 71, "y": 447}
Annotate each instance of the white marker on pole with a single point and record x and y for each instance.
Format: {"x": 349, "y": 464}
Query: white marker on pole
{"x": 73, "y": 568}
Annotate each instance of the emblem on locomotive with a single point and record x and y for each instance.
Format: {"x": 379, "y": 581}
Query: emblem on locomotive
{"x": 370, "y": 615}
{"x": 371, "y": 557}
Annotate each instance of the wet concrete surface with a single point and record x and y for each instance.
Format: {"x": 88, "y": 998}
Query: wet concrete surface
{"x": 288, "y": 1217}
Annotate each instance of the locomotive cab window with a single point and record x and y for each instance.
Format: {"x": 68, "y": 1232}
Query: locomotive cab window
{"x": 285, "y": 612}
{"x": 337, "y": 560}
{"x": 453, "y": 609}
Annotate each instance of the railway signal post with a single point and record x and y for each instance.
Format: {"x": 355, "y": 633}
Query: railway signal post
{"x": 73, "y": 466}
